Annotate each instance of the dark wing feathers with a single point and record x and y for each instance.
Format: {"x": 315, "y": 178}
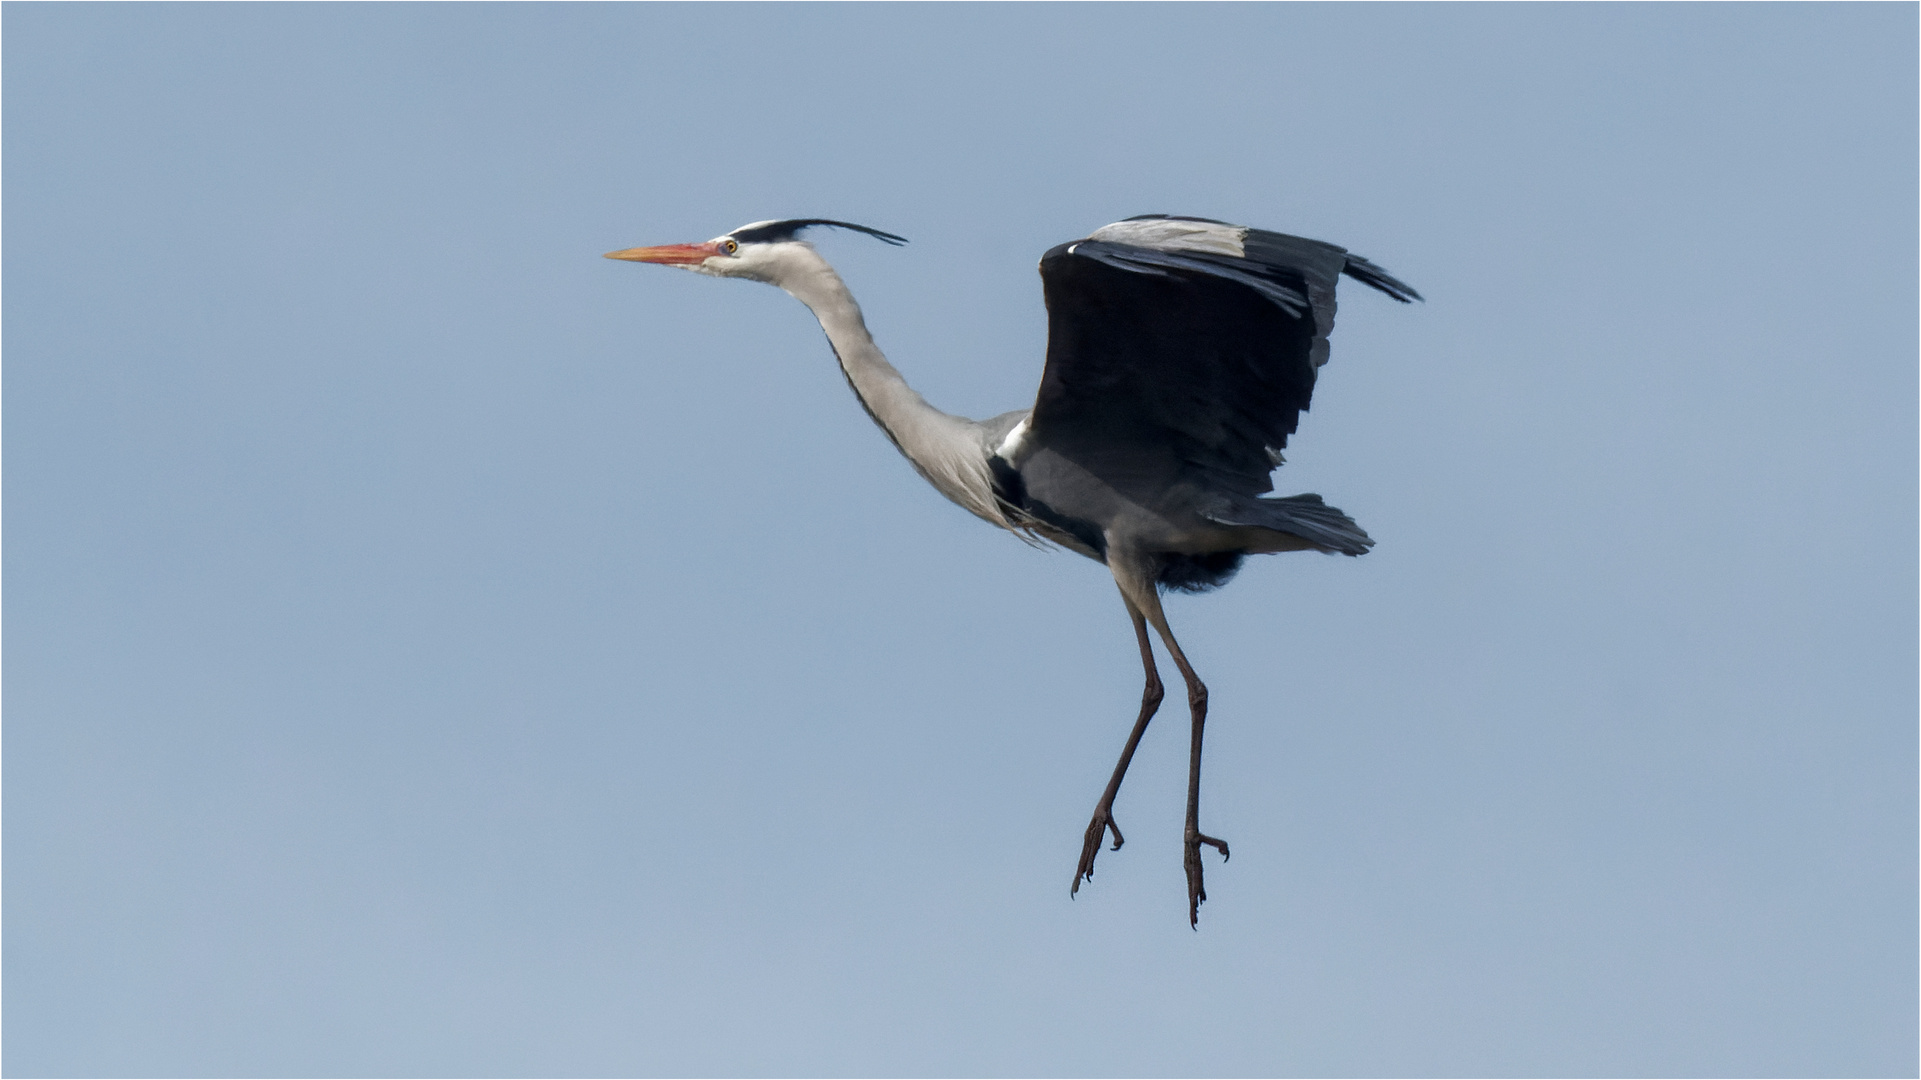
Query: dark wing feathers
{"x": 1170, "y": 263}
{"x": 1164, "y": 364}
{"x": 1368, "y": 274}
{"x": 1281, "y": 244}
{"x": 1155, "y": 372}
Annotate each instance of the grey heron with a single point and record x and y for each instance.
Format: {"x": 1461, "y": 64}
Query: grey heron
{"x": 1181, "y": 352}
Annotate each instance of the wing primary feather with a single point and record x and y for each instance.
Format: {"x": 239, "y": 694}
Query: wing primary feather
{"x": 1368, "y": 274}
{"x": 1172, "y": 361}
{"x": 1162, "y": 263}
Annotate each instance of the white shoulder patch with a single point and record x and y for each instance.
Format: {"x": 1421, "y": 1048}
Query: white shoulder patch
{"x": 1014, "y": 445}
{"x": 1163, "y": 234}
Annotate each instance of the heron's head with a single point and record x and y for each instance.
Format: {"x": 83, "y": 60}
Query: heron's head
{"x": 764, "y": 251}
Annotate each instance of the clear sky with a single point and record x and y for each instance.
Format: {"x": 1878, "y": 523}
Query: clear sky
{"x": 434, "y": 649}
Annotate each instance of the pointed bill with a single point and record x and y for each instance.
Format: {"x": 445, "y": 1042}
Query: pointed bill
{"x": 669, "y": 254}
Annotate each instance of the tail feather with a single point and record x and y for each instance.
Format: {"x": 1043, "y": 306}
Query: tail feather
{"x": 1305, "y": 516}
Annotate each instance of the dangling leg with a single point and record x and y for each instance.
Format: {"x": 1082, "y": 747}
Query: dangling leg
{"x": 1193, "y": 838}
{"x": 1143, "y": 598}
{"x": 1104, "y": 810}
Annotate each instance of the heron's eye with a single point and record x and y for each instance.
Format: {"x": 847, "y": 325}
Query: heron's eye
{"x": 729, "y": 247}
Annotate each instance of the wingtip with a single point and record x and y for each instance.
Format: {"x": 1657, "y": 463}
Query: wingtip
{"x": 1373, "y": 276}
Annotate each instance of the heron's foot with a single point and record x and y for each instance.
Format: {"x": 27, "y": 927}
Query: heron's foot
{"x": 1191, "y": 859}
{"x": 1091, "y": 844}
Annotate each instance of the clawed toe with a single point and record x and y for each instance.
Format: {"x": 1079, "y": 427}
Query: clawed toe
{"x": 1102, "y": 824}
{"x": 1191, "y": 861}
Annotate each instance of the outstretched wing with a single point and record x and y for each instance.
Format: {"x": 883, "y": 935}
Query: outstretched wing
{"x": 1187, "y": 348}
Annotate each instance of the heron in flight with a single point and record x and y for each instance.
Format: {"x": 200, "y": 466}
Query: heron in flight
{"x": 1181, "y": 352}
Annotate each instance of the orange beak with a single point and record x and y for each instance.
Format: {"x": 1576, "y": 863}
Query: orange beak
{"x": 669, "y": 254}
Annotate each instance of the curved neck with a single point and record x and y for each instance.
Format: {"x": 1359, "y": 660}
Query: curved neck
{"x": 882, "y": 389}
{"x": 947, "y": 450}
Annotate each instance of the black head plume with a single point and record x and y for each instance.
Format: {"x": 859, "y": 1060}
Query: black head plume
{"x": 771, "y": 232}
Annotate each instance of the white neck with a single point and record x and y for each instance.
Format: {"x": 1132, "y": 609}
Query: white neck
{"x": 949, "y": 451}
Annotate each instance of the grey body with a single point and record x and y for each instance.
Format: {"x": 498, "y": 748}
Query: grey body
{"x": 1181, "y": 352}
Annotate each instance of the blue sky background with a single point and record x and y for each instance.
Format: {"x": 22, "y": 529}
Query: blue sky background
{"x": 433, "y": 649}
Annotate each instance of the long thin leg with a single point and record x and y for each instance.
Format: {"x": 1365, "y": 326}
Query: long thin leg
{"x": 1193, "y": 838}
{"x": 1103, "y": 820}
